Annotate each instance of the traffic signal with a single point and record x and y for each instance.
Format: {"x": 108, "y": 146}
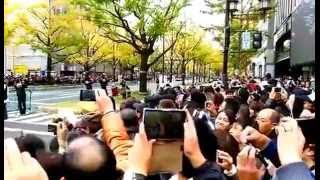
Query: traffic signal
{"x": 257, "y": 40}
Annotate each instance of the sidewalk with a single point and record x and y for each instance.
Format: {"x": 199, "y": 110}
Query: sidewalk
{"x": 48, "y": 87}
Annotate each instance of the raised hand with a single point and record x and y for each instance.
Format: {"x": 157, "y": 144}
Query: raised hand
{"x": 290, "y": 141}
{"x": 140, "y": 153}
{"x": 191, "y": 145}
{"x": 20, "y": 166}
{"x": 246, "y": 164}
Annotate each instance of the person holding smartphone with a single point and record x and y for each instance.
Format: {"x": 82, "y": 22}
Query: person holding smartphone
{"x": 277, "y": 99}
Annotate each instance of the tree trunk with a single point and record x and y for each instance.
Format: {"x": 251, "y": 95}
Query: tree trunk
{"x": 114, "y": 69}
{"x": 183, "y": 72}
{"x": 131, "y": 73}
{"x": 113, "y": 73}
{"x": 143, "y": 73}
{"x": 171, "y": 64}
{"x": 204, "y": 73}
{"x": 49, "y": 67}
{"x": 86, "y": 68}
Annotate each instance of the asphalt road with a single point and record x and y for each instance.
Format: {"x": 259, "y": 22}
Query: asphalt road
{"x": 36, "y": 122}
{"x": 61, "y": 94}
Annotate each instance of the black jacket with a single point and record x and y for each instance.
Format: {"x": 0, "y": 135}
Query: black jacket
{"x": 5, "y": 93}
{"x": 103, "y": 83}
{"x": 21, "y": 90}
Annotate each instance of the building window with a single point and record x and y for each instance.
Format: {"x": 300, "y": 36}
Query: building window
{"x": 253, "y": 69}
{"x": 260, "y": 70}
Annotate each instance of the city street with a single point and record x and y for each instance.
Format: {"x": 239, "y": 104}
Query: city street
{"x": 36, "y": 122}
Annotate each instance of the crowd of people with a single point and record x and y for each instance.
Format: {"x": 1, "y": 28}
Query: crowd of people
{"x": 247, "y": 130}
{"x": 35, "y": 79}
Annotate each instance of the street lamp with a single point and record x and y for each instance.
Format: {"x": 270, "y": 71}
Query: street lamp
{"x": 234, "y": 5}
{"x": 265, "y": 5}
{"x": 286, "y": 44}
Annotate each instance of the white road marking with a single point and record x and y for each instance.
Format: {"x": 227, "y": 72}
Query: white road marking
{"x": 53, "y": 98}
{"x": 40, "y": 119}
{"x": 27, "y": 116}
{"x": 28, "y": 131}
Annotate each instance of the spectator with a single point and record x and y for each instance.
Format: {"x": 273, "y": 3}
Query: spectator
{"x": 88, "y": 158}
{"x": 105, "y": 144}
{"x": 267, "y": 120}
{"x": 104, "y": 82}
{"x": 167, "y": 104}
{"x": 228, "y": 147}
{"x": 130, "y": 120}
{"x": 31, "y": 144}
{"x": 217, "y": 100}
{"x": 243, "y": 95}
{"x": 225, "y": 119}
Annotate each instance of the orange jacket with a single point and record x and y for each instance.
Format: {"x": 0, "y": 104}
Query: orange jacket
{"x": 116, "y": 138}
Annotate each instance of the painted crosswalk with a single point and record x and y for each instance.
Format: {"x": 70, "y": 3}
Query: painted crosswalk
{"x": 34, "y": 118}
{"x": 33, "y": 123}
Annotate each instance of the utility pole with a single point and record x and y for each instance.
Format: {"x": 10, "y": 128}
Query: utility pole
{"x": 163, "y": 60}
{"x": 171, "y": 59}
{"x": 240, "y": 36}
{"x": 226, "y": 44}
{"x": 193, "y": 71}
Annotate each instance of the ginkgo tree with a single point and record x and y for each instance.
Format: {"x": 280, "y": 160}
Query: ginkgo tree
{"x": 92, "y": 49}
{"x": 139, "y": 23}
{"x": 49, "y": 31}
{"x": 185, "y": 50}
{"x": 10, "y": 26}
{"x": 128, "y": 58}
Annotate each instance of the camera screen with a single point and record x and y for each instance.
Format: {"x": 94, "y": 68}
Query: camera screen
{"x": 161, "y": 124}
{"x": 277, "y": 89}
{"x": 87, "y": 95}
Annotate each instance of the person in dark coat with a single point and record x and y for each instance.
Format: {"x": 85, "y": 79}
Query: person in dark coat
{"x": 88, "y": 82}
{"x": 104, "y": 82}
{"x": 20, "y": 87}
{"x": 158, "y": 83}
{"x": 5, "y": 100}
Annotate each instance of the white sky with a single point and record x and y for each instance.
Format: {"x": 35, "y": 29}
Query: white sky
{"x": 193, "y": 15}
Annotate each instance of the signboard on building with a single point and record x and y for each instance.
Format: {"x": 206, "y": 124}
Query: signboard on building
{"x": 302, "y": 46}
{"x": 20, "y": 69}
{"x": 246, "y": 40}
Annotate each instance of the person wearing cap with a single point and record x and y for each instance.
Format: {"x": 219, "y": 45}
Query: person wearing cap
{"x": 309, "y": 106}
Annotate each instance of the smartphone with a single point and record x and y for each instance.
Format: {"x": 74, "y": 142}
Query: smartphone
{"x": 87, "y": 95}
{"x": 52, "y": 128}
{"x": 164, "y": 124}
{"x": 218, "y": 158}
{"x": 277, "y": 89}
{"x": 261, "y": 158}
